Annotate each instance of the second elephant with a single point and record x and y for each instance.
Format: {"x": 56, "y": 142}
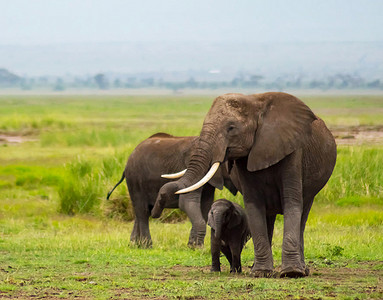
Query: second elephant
{"x": 162, "y": 154}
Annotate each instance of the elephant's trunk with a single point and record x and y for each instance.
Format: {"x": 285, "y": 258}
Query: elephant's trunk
{"x": 218, "y": 218}
{"x": 208, "y": 151}
{"x": 203, "y": 155}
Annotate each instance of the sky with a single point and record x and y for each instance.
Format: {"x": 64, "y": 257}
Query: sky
{"x": 26, "y": 22}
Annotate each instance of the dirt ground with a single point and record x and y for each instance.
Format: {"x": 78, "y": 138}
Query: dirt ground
{"x": 15, "y": 139}
{"x": 357, "y": 135}
{"x": 334, "y": 281}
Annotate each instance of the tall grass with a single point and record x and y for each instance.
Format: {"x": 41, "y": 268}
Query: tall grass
{"x": 357, "y": 178}
{"x": 79, "y": 192}
{"x": 87, "y": 182}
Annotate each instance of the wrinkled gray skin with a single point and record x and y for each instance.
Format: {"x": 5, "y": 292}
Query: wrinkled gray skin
{"x": 163, "y": 154}
{"x": 229, "y": 234}
{"x": 283, "y": 155}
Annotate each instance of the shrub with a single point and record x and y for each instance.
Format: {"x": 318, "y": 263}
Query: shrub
{"x": 79, "y": 192}
{"x": 85, "y": 185}
{"x": 119, "y": 208}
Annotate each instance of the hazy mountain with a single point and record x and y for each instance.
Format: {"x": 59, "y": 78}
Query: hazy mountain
{"x": 208, "y": 61}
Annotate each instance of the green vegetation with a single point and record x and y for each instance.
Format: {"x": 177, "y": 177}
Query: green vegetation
{"x": 59, "y": 238}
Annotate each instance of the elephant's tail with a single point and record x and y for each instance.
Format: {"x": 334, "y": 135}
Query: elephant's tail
{"x": 110, "y": 193}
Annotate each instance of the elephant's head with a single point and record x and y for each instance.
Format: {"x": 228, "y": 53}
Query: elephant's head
{"x": 264, "y": 128}
{"x": 223, "y": 215}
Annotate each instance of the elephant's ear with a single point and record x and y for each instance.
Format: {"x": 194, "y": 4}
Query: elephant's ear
{"x": 284, "y": 125}
{"x": 210, "y": 220}
{"x": 217, "y": 179}
{"x": 235, "y": 218}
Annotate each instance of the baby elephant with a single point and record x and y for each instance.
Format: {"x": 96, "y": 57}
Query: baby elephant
{"x": 229, "y": 233}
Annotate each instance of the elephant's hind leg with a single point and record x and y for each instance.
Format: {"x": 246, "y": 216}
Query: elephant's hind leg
{"x": 292, "y": 203}
{"x": 227, "y": 252}
{"x": 141, "y": 234}
{"x": 306, "y": 209}
{"x": 235, "y": 265}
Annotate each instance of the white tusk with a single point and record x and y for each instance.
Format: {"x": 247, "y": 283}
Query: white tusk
{"x": 200, "y": 183}
{"x": 174, "y": 175}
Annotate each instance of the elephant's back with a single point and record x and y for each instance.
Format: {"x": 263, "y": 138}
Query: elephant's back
{"x": 157, "y": 155}
{"x": 319, "y": 157}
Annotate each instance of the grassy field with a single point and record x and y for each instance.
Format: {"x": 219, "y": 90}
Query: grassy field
{"x": 59, "y": 238}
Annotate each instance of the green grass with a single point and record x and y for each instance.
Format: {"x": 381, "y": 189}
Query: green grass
{"x": 82, "y": 144}
{"x": 357, "y": 178}
{"x": 93, "y": 258}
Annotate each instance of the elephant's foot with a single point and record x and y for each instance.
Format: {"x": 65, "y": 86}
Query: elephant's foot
{"x": 215, "y": 269}
{"x": 196, "y": 242}
{"x": 264, "y": 273}
{"x": 236, "y": 270}
{"x": 294, "y": 272}
{"x": 142, "y": 243}
{"x": 306, "y": 268}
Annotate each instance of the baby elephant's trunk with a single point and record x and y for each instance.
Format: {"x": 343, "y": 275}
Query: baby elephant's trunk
{"x": 218, "y": 219}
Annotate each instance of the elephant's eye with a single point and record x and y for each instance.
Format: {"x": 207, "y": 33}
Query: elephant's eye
{"x": 230, "y": 128}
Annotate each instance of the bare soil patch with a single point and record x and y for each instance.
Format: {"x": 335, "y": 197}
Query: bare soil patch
{"x": 15, "y": 139}
{"x": 358, "y": 135}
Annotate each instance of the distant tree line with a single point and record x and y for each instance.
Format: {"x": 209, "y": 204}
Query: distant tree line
{"x": 103, "y": 81}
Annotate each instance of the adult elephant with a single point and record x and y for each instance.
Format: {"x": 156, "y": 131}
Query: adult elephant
{"x": 159, "y": 154}
{"x": 283, "y": 155}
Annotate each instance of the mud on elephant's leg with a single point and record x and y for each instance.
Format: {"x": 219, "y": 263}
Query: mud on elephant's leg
{"x": 191, "y": 204}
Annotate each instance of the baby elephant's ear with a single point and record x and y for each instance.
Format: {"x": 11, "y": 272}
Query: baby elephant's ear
{"x": 284, "y": 125}
{"x": 210, "y": 220}
{"x": 235, "y": 218}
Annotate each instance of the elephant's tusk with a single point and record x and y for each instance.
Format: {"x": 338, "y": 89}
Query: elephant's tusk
{"x": 174, "y": 175}
{"x": 200, "y": 183}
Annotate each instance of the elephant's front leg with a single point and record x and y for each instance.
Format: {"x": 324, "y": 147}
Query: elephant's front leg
{"x": 191, "y": 204}
{"x": 215, "y": 246}
{"x": 263, "y": 260}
